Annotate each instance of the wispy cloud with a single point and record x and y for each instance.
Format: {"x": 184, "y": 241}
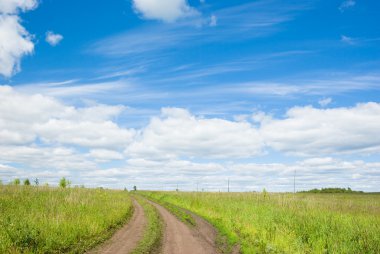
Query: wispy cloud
{"x": 71, "y": 88}
{"x": 347, "y": 40}
{"x": 324, "y": 102}
{"x": 346, "y": 5}
{"x": 234, "y": 23}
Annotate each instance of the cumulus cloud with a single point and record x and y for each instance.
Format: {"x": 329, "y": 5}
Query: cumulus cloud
{"x": 14, "y": 6}
{"x": 178, "y": 133}
{"x": 53, "y": 38}
{"x": 309, "y": 131}
{"x": 27, "y": 117}
{"x": 104, "y": 155}
{"x": 165, "y": 10}
{"x": 15, "y": 41}
{"x": 42, "y": 136}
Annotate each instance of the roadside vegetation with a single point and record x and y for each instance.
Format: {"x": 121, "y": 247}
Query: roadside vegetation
{"x": 288, "y": 223}
{"x": 57, "y": 220}
{"x": 153, "y": 234}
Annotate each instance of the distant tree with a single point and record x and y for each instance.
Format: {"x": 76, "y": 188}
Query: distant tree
{"x": 26, "y": 182}
{"x": 36, "y": 182}
{"x": 135, "y": 188}
{"x": 63, "y": 183}
{"x": 125, "y": 189}
{"x": 16, "y": 181}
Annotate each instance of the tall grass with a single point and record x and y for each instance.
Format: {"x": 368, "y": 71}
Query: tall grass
{"x": 287, "y": 223}
{"x": 52, "y": 220}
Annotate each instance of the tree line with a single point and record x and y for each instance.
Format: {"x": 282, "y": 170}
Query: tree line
{"x": 63, "y": 182}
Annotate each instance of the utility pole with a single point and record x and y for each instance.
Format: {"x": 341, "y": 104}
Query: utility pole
{"x": 294, "y": 181}
{"x": 228, "y": 184}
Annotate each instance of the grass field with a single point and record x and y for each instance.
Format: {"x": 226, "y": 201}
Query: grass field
{"x": 56, "y": 220}
{"x": 287, "y": 223}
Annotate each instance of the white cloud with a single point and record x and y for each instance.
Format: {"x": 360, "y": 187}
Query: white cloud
{"x": 346, "y": 5}
{"x": 42, "y": 137}
{"x": 324, "y": 102}
{"x": 27, "y": 117}
{"x": 166, "y": 10}
{"x": 347, "y": 40}
{"x": 104, "y": 134}
{"x": 104, "y": 155}
{"x": 15, "y": 41}
{"x": 178, "y": 133}
{"x": 213, "y": 20}
{"x": 53, "y": 38}
{"x": 308, "y": 131}
{"x": 13, "y": 6}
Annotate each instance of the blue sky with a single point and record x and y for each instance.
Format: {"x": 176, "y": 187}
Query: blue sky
{"x": 134, "y": 92}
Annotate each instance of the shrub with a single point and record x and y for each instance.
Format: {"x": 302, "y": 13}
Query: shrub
{"x": 63, "y": 183}
{"x": 16, "y": 181}
{"x": 26, "y": 182}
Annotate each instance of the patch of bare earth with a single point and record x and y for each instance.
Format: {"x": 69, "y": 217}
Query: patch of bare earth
{"x": 127, "y": 238}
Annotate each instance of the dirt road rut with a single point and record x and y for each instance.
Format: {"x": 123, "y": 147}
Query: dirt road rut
{"x": 127, "y": 238}
{"x": 179, "y": 238}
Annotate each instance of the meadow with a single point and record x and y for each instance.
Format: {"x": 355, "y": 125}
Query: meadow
{"x": 58, "y": 220}
{"x": 287, "y": 223}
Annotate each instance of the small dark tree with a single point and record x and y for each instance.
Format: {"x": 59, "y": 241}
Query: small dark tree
{"x": 63, "y": 183}
{"x": 16, "y": 181}
{"x": 26, "y": 182}
{"x": 36, "y": 182}
{"x": 135, "y": 188}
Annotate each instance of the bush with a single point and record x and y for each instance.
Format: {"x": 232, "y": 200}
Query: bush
{"x": 16, "y": 181}
{"x": 27, "y": 182}
{"x": 63, "y": 183}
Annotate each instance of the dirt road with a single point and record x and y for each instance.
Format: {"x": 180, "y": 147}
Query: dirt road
{"x": 127, "y": 238}
{"x": 179, "y": 238}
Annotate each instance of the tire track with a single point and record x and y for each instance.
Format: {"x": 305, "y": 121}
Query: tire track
{"x": 179, "y": 238}
{"x": 127, "y": 238}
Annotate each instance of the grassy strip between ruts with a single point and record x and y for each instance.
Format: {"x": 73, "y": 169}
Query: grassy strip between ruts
{"x": 177, "y": 211}
{"x": 185, "y": 216}
{"x": 56, "y": 220}
{"x": 151, "y": 241}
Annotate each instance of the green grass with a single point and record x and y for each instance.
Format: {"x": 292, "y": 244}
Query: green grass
{"x": 56, "y": 220}
{"x": 151, "y": 241}
{"x": 287, "y": 223}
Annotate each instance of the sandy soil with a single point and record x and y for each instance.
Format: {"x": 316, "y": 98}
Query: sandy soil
{"x": 180, "y": 239}
{"x": 127, "y": 238}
